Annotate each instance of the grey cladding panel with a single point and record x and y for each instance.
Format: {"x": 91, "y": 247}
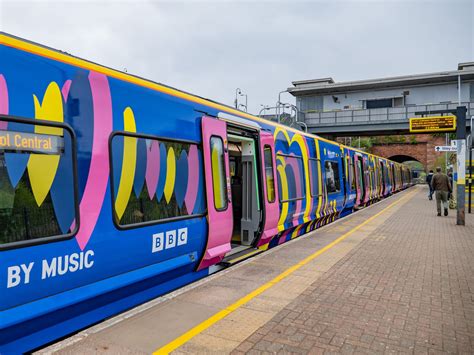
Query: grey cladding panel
{"x": 310, "y": 103}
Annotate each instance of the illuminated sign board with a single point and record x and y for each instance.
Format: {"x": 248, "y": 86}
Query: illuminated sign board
{"x": 31, "y": 142}
{"x": 433, "y": 124}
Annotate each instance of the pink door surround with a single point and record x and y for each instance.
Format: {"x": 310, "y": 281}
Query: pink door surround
{"x": 220, "y": 221}
{"x": 272, "y": 208}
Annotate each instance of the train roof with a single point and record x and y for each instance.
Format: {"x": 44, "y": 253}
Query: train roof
{"x": 64, "y": 57}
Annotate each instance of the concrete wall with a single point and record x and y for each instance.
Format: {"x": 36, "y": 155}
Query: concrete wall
{"x": 418, "y": 96}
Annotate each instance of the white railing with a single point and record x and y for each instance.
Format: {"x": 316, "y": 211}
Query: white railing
{"x": 375, "y": 115}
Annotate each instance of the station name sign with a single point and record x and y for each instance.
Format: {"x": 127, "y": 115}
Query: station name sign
{"x": 31, "y": 142}
{"x": 433, "y": 124}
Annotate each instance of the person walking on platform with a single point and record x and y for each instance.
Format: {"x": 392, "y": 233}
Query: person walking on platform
{"x": 441, "y": 185}
{"x": 429, "y": 177}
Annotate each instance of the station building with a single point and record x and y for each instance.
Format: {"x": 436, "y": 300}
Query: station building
{"x": 382, "y": 107}
{"x": 321, "y": 98}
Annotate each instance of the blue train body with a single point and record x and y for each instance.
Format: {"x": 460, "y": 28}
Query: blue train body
{"x": 110, "y": 255}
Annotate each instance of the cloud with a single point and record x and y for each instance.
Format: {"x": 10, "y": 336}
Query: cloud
{"x": 211, "y": 48}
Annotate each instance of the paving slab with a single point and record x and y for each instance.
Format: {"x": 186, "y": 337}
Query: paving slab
{"x": 156, "y": 324}
{"x": 406, "y": 287}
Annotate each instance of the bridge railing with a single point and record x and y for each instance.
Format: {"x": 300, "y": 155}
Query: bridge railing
{"x": 376, "y": 115}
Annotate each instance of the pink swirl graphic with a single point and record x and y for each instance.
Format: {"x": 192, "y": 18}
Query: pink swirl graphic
{"x": 152, "y": 167}
{"x": 193, "y": 179}
{"x": 65, "y": 89}
{"x": 98, "y": 177}
{"x": 296, "y": 171}
{"x": 3, "y": 101}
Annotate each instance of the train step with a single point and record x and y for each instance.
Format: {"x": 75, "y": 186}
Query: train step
{"x": 240, "y": 256}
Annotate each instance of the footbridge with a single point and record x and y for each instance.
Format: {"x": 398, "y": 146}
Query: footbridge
{"x": 377, "y": 121}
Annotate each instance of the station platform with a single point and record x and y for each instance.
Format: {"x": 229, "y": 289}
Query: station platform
{"x": 391, "y": 278}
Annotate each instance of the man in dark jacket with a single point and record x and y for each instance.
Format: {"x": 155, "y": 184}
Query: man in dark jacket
{"x": 429, "y": 177}
{"x": 442, "y": 187}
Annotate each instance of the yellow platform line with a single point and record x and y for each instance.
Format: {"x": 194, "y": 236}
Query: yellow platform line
{"x": 176, "y": 343}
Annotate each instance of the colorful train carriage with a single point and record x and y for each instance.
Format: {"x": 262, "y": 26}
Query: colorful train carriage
{"x": 115, "y": 190}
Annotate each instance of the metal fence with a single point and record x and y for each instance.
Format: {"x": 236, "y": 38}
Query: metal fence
{"x": 378, "y": 115}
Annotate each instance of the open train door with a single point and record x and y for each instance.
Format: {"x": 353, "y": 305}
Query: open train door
{"x": 218, "y": 191}
{"x": 270, "y": 191}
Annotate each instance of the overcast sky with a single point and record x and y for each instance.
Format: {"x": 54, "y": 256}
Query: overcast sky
{"x": 211, "y": 48}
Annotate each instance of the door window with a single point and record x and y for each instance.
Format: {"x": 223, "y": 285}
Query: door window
{"x": 269, "y": 176}
{"x": 333, "y": 182}
{"x": 361, "y": 174}
{"x": 314, "y": 165}
{"x": 218, "y": 173}
{"x": 352, "y": 176}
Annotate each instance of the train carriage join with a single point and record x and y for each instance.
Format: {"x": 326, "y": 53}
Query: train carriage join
{"x": 115, "y": 190}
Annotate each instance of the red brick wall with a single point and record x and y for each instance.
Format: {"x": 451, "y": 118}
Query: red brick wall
{"x": 423, "y": 150}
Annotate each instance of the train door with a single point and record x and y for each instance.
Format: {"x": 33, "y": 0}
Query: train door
{"x": 347, "y": 174}
{"x": 350, "y": 185}
{"x": 383, "y": 181}
{"x": 402, "y": 180}
{"x": 218, "y": 191}
{"x": 378, "y": 178}
{"x": 394, "y": 180}
{"x": 244, "y": 189}
{"x": 368, "y": 185}
{"x": 242, "y": 207}
{"x": 352, "y": 177}
{"x": 253, "y": 190}
{"x": 360, "y": 180}
{"x": 371, "y": 177}
{"x": 388, "y": 183}
{"x": 270, "y": 191}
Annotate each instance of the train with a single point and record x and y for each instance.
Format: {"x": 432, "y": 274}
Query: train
{"x": 115, "y": 190}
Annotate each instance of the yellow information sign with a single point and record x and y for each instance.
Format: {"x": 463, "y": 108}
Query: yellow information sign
{"x": 22, "y": 141}
{"x": 433, "y": 124}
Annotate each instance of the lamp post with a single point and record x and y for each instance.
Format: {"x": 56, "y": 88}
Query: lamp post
{"x": 245, "y": 101}
{"x": 278, "y": 104}
{"x": 237, "y": 92}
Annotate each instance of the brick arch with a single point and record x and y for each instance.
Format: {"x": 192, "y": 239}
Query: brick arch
{"x": 414, "y": 151}
{"x": 403, "y": 158}
{"x": 421, "y": 148}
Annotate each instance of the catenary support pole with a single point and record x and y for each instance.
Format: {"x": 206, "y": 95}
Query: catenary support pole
{"x": 469, "y": 201}
{"x": 461, "y": 164}
{"x": 470, "y": 146}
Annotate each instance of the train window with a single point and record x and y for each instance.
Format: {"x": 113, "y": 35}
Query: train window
{"x": 314, "y": 171}
{"x": 269, "y": 176}
{"x": 291, "y": 177}
{"x": 37, "y": 183}
{"x": 155, "y": 180}
{"x": 333, "y": 182}
{"x": 218, "y": 173}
